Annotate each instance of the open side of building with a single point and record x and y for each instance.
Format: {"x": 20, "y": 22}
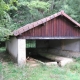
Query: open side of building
{"x": 57, "y": 34}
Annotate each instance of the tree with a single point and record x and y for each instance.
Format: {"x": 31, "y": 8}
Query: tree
{"x": 4, "y": 20}
{"x": 72, "y": 7}
{"x": 29, "y": 11}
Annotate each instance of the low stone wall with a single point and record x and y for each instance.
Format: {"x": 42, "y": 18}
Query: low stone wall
{"x": 65, "y": 53}
{"x": 70, "y": 54}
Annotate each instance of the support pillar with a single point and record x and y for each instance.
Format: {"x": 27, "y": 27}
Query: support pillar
{"x": 17, "y": 49}
{"x": 21, "y": 51}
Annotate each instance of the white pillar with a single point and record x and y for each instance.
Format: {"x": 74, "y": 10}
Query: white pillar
{"x": 12, "y": 48}
{"x": 21, "y": 51}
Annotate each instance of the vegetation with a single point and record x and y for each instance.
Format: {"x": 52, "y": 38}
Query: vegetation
{"x": 10, "y": 70}
{"x": 16, "y": 13}
{"x": 38, "y": 73}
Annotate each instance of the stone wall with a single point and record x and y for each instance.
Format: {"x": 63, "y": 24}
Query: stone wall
{"x": 71, "y": 45}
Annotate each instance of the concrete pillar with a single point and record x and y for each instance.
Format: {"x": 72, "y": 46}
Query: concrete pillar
{"x": 21, "y": 51}
{"x": 17, "y": 48}
{"x": 12, "y": 48}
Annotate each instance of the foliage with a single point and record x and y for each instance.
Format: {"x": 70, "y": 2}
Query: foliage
{"x": 38, "y": 8}
{"x": 4, "y": 20}
{"x": 39, "y": 5}
{"x": 72, "y": 8}
{"x": 17, "y": 13}
{"x": 29, "y": 11}
{"x": 4, "y": 33}
{"x": 3, "y": 7}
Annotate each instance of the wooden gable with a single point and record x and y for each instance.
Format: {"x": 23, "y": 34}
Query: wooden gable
{"x": 57, "y": 26}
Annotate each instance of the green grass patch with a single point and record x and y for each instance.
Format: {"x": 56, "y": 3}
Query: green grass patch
{"x": 1, "y": 74}
{"x": 11, "y": 71}
{"x": 0, "y": 67}
{"x": 2, "y": 49}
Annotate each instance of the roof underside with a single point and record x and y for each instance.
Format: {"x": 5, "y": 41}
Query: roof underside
{"x": 39, "y": 22}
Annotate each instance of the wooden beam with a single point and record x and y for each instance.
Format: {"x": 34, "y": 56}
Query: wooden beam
{"x": 24, "y": 37}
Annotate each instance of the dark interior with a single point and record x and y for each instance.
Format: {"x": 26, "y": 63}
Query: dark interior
{"x": 41, "y": 47}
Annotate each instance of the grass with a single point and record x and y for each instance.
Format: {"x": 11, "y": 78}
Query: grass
{"x": 2, "y": 49}
{"x": 11, "y": 71}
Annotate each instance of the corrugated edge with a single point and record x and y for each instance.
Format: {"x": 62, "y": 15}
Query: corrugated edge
{"x": 37, "y": 23}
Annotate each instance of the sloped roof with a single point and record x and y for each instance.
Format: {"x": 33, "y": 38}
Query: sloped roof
{"x": 39, "y": 22}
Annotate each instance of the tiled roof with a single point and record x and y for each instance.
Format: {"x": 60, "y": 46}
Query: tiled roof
{"x": 37, "y": 23}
